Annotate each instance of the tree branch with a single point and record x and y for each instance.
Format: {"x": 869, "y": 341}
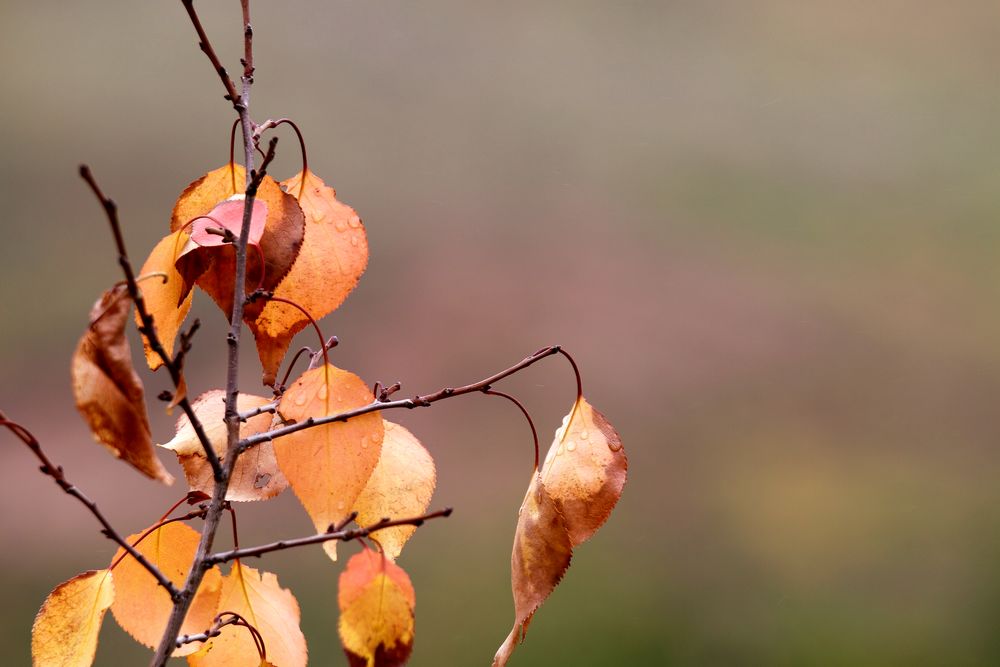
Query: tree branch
{"x": 206, "y": 46}
{"x": 57, "y": 474}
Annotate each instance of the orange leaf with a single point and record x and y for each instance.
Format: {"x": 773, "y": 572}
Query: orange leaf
{"x": 376, "y": 602}
{"x": 164, "y": 299}
{"x": 266, "y": 606}
{"x": 401, "y": 486}
{"x": 108, "y": 391}
{"x": 573, "y": 495}
{"x": 328, "y": 466}
{"x": 256, "y": 475}
{"x": 69, "y": 622}
{"x": 202, "y": 195}
{"x": 142, "y": 607}
{"x": 333, "y": 256}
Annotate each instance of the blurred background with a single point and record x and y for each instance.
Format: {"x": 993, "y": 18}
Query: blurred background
{"x": 767, "y": 231}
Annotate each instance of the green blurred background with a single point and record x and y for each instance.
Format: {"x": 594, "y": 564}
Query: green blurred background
{"x": 766, "y": 230}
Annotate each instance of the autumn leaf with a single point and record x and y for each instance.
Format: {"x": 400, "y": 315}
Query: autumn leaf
{"x": 272, "y": 610}
{"x": 333, "y": 256}
{"x": 256, "y": 475}
{"x": 573, "y": 495}
{"x": 329, "y": 465}
{"x": 204, "y": 193}
{"x": 400, "y": 486}
{"x": 108, "y": 391}
{"x": 142, "y": 607}
{"x": 68, "y": 624}
{"x": 376, "y": 602}
{"x": 164, "y": 298}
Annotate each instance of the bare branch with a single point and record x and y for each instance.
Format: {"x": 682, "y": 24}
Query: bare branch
{"x": 206, "y": 46}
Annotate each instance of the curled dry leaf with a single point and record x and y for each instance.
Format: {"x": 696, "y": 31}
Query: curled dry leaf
{"x": 328, "y": 466}
{"x": 165, "y": 298}
{"x": 333, "y": 256}
{"x": 108, "y": 391}
{"x": 400, "y": 486}
{"x": 573, "y": 495}
{"x": 256, "y": 475}
{"x": 271, "y": 609}
{"x": 68, "y": 624}
{"x": 376, "y": 602}
{"x": 142, "y": 607}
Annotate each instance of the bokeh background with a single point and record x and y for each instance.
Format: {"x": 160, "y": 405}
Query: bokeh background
{"x": 766, "y": 230}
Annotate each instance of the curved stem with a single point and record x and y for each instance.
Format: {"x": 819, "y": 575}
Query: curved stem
{"x": 524, "y": 411}
{"x": 319, "y": 332}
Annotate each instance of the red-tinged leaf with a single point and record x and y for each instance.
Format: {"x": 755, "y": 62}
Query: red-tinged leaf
{"x": 108, "y": 391}
{"x": 400, "y": 486}
{"x": 142, "y": 607}
{"x": 328, "y": 466}
{"x": 573, "y": 495}
{"x": 272, "y": 610}
{"x": 165, "y": 298}
{"x": 68, "y": 624}
{"x": 333, "y": 256}
{"x": 228, "y": 216}
{"x": 256, "y": 475}
{"x": 376, "y": 602}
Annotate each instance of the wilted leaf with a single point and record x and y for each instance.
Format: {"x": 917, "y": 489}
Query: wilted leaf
{"x": 400, "y": 486}
{"x": 272, "y": 610}
{"x": 164, "y": 299}
{"x": 573, "y": 495}
{"x": 328, "y": 466}
{"x": 333, "y": 256}
{"x": 256, "y": 475}
{"x": 69, "y": 622}
{"x": 108, "y": 391}
{"x": 142, "y": 607}
{"x": 376, "y": 611}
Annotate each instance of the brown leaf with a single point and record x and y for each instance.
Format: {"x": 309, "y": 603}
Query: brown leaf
{"x": 573, "y": 495}
{"x": 376, "y": 602}
{"x": 164, "y": 298}
{"x": 68, "y": 624}
{"x": 108, "y": 391}
{"x": 333, "y": 256}
{"x": 400, "y": 486}
{"x": 142, "y": 607}
{"x": 256, "y": 475}
{"x": 272, "y": 610}
{"x": 328, "y": 466}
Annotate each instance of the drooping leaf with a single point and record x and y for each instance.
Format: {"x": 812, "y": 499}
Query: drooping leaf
{"x": 272, "y": 610}
{"x": 400, "y": 486}
{"x": 256, "y": 475}
{"x": 328, "y": 466}
{"x": 68, "y": 624}
{"x": 376, "y": 602}
{"x": 573, "y": 495}
{"x": 333, "y": 256}
{"x": 142, "y": 607}
{"x": 163, "y": 297}
{"x": 108, "y": 391}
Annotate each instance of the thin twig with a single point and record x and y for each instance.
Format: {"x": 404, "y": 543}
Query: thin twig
{"x": 57, "y": 474}
{"x": 343, "y": 534}
{"x": 206, "y": 46}
{"x": 259, "y": 410}
{"x": 409, "y": 403}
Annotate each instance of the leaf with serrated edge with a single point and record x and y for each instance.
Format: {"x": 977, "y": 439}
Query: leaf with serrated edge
{"x": 327, "y": 466}
{"x": 68, "y": 624}
{"x": 108, "y": 391}
{"x": 142, "y": 607}
{"x": 256, "y": 475}
{"x": 271, "y": 609}
{"x": 376, "y": 602}
{"x": 400, "y": 486}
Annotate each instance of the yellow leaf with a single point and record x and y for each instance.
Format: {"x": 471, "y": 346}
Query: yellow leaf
{"x": 142, "y": 607}
{"x": 108, "y": 391}
{"x": 400, "y": 486}
{"x": 256, "y": 475}
{"x": 165, "y": 300}
{"x": 266, "y": 606}
{"x": 328, "y": 466}
{"x": 376, "y": 602}
{"x": 69, "y": 622}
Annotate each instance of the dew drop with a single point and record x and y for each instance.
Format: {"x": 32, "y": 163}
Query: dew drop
{"x": 354, "y": 240}
{"x": 615, "y": 445}
{"x": 300, "y": 399}
{"x": 322, "y": 393}
{"x": 341, "y": 226}
{"x": 584, "y": 434}
{"x": 364, "y": 443}
{"x": 340, "y": 505}
{"x": 355, "y": 222}
{"x": 559, "y": 451}
{"x": 570, "y": 446}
